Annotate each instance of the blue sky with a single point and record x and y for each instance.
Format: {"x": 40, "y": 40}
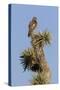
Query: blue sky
{"x": 20, "y": 17}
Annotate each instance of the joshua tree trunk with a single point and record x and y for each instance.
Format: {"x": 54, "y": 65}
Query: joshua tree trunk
{"x": 45, "y": 72}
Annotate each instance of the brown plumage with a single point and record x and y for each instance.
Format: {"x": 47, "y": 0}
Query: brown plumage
{"x": 32, "y": 25}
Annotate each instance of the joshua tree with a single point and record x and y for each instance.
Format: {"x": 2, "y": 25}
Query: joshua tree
{"x": 34, "y": 58}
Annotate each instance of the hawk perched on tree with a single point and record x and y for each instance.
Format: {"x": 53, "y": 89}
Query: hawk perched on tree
{"x": 32, "y": 25}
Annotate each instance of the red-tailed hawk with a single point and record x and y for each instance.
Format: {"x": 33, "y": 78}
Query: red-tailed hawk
{"x": 32, "y": 25}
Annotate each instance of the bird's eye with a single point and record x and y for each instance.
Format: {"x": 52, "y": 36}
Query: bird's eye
{"x": 35, "y": 21}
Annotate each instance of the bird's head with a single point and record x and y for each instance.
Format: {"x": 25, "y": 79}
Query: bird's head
{"x": 34, "y": 19}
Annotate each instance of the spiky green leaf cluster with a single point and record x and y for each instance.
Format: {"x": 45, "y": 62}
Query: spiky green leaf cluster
{"x": 42, "y": 39}
{"x": 47, "y": 37}
{"x": 29, "y": 60}
{"x": 28, "y": 57}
